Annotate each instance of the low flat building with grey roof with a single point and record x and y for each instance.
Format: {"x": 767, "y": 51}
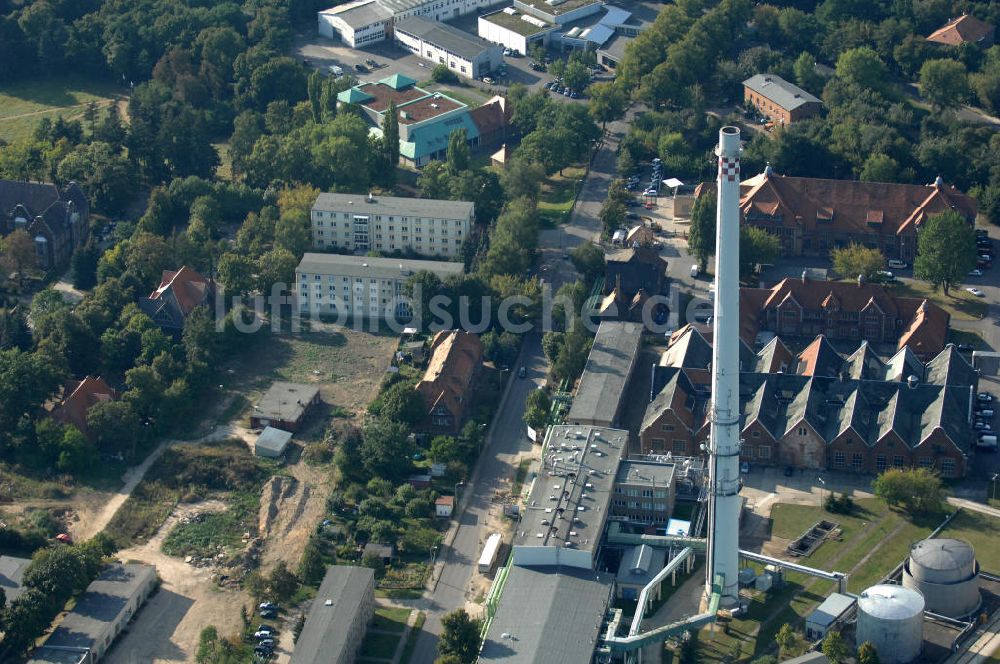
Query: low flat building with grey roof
{"x": 364, "y": 22}
{"x": 271, "y": 442}
{"x": 563, "y": 519}
{"x": 601, "y": 394}
{"x": 361, "y": 286}
{"x": 548, "y": 615}
{"x": 338, "y": 618}
{"x": 639, "y": 564}
{"x": 779, "y": 100}
{"x": 363, "y": 223}
{"x": 284, "y": 406}
{"x": 100, "y": 615}
{"x": 440, "y": 43}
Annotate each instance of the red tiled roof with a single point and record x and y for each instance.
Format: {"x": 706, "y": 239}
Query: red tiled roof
{"x": 80, "y": 397}
{"x": 927, "y": 329}
{"x": 382, "y": 94}
{"x": 455, "y": 356}
{"x": 189, "y": 288}
{"x": 849, "y": 205}
{"x": 965, "y": 28}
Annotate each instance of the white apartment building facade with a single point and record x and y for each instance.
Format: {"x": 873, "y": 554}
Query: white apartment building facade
{"x": 389, "y": 223}
{"x": 360, "y": 286}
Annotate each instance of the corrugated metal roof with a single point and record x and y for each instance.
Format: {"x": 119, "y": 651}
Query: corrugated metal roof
{"x": 832, "y": 608}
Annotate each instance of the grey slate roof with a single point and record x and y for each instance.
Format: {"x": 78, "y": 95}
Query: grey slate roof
{"x": 609, "y": 364}
{"x": 273, "y": 440}
{"x": 551, "y": 615}
{"x": 324, "y": 635}
{"x": 285, "y": 401}
{"x": 394, "y": 205}
{"x": 780, "y": 91}
{"x": 444, "y": 36}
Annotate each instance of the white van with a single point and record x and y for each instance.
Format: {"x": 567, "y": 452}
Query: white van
{"x": 695, "y": 271}
{"x": 897, "y": 264}
{"x": 987, "y": 442}
{"x": 336, "y": 71}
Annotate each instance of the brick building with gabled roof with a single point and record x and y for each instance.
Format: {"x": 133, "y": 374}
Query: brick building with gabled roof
{"x": 853, "y": 413}
{"x": 813, "y": 216}
{"x": 447, "y": 385}
{"x": 843, "y": 310}
{"x": 179, "y": 293}
{"x": 80, "y": 397}
{"x": 964, "y": 29}
{"x": 56, "y": 218}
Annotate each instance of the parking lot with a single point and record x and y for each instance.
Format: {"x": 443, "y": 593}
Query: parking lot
{"x": 321, "y": 52}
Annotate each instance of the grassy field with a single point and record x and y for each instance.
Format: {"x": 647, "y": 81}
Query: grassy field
{"x": 961, "y": 305}
{"x": 558, "y": 194}
{"x": 185, "y": 473}
{"x": 873, "y": 541}
{"x": 379, "y": 645}
{"x": 974, "y": 339}
{"x": 25, "y": 103}
{"x": 411, "y": 639}
{"x": 390, "y": 619}
{"x": 983, "y": 532}
{"x": 215, "y": 530}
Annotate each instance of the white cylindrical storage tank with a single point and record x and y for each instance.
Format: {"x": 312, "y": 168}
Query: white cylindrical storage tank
{"x": 946, "y": 573}
{"x": 892, "y": 618}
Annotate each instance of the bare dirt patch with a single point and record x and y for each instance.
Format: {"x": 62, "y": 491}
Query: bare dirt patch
{"x": 167, "y": 627}
{"x": 290, "y": 509}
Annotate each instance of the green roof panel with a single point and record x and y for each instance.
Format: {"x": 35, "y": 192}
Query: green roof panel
{"x": 398, "y": 81}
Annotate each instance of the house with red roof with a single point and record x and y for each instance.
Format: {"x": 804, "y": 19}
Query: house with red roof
{"x": 813, "y": 216}
{"x": 179, "y": 293}
{"x": 79, "y": 397}
{"x": 843, "y": 310}
{"x": 965, "y": 29}
{"x": 447, "y": 384}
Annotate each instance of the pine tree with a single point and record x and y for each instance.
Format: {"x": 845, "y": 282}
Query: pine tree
{"x": 315, "y": 95}
{"x": 458, "y": 151}
{"x": 390, "y": 138}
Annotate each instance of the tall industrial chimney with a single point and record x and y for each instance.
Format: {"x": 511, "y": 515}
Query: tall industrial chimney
{"x": 724, "y": 439}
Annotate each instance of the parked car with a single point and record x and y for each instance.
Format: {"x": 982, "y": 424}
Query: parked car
{"x": 985, "y": 413}
{"x": 489, "y": 80}
{"x": 897, "y": 264}
{"x": 335, "y": 70}
{"x": 360, "y": 68}
{"x": 522, "y": 372}
{"x": 567, "y": 92}
{"x": 976, "y": 292}
{"x": 984, "y": 396}
{"x": 269, "y": 605}
{"x": 976, "y": 273}
{"x": 268, "y": 614}
{"x": 267, "y": 643}
{"x": 574, "y": 95}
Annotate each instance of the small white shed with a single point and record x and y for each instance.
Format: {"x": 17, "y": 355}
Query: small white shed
{"x": 271, "y": 442}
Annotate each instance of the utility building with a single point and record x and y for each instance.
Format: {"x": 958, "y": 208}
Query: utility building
{"x": 440, "y": 43}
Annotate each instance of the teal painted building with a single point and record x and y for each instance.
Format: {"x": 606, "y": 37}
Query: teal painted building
{"x": 426, "y": 119}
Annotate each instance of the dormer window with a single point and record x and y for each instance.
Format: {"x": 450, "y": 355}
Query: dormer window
{"x": 824, "y": 215}
{"x": 874, "y": 217}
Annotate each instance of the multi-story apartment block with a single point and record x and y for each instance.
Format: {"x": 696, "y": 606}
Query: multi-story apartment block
{"x": 360, "y": 286}
{"x": 389, "y": 223}
{"x": 644, "y": 492}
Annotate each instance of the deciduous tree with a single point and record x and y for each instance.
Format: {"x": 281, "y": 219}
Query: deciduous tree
{"x": 946, "y": 251}
{"x": 856, "y": 260}
{"x": 944, "y": 83}
{"x": 701, "y": 234}
{"x": 915, "y": 490}
{"x": 460, "y": 636}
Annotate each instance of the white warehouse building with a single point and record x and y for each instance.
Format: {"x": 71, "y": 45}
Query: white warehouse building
{"x": 360, "y": 286}
{"x": 362, "y": 223}
{"x": 364, "y": 22}
{"x": 439, "y": 43}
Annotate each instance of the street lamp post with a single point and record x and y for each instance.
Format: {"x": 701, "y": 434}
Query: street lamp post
{"x": 994, "y": 479}
{"x": 822, "y": 484}
{"x": 458, "y": 484}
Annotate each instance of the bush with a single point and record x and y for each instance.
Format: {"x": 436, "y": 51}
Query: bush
{"x": 441, "y": 74}
{"x": 842, "y": 504}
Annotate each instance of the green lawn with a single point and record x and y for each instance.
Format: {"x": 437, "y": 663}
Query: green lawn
{"x": 390, "y": 619}
{"x": 980, "y": 530}
{"x": 865, "y": 550}
{"x": 558, "y": 194}
{"x": 377, "y": 645}
{"x": 23, "y": 104}
{"x": 974, "y": 339}
{"x": 961, "y": 305}
{"x": 411, "y": 640}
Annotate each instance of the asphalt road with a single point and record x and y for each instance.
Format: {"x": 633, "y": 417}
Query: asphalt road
{"x": 508, "y": 440}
